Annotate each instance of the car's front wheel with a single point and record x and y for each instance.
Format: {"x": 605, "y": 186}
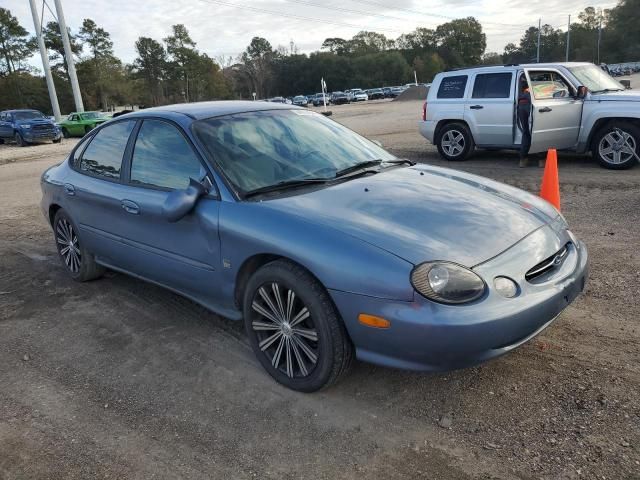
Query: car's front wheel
{"x": 455, "y": 142}
{"x": 77, "y": 260}
{"x": 65, "y": 133}
{"x": 617, "y": 145}
{"x": 294, "y": 328}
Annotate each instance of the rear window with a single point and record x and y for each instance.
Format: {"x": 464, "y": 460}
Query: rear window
{"x": 492, "y": 85}
{"x": 452, "y": 87}
{"x": 103, "y": 156}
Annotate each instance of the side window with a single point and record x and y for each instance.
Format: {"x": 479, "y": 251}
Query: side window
{"x": 78, "y": 151}
{"x": 452, "y": 87}
{"x": 162, "y": 157}
{"x": 74, "y": 118}
{"x": 103, "y": 156}
{"x": 492, "y": 85}
{"x": 3, "y": 117}
{"x": 546, "y": 85}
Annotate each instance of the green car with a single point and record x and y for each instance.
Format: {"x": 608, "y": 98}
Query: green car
{"x": 78, "y": 124}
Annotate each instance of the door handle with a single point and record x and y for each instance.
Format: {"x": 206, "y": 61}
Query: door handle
{"x": 476, "y": 107}
{"x": 69, "y": 189}
{"x": 544, "y": 110}
{"x": 130, "y": 207}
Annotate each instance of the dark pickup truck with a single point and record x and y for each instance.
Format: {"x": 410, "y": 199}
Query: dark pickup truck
{"x": 27, "y": 126}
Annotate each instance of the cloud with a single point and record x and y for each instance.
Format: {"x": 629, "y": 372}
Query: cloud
{"x": 225, "y": 27}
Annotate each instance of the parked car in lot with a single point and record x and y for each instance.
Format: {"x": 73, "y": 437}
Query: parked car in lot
{"x": 395, "y": 91}
{"x": 338, "y": 98}
{"x": 27, "y": 126}
{"x": 359, "y": 95}
{"x": 576, "y": 106}
{"x": 300, "y": 101}
{"x": 318, "y": 99}
{"x": 375, "y": 94}
{"x": 387, "y": 92}
{"x": 324, "y": 244}
{"x": 78, "y": 124}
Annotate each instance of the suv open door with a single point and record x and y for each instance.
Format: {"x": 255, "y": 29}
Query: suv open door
{"x": 556, "y": 110}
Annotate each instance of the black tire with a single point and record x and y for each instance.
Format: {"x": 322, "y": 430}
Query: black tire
{"x": 87, "y": 129}
{"x": 83, "y": 267}
{"x": 65, "y": 133}
{"x": 459, "y": 133}
{"x": 19, "y": 140}
{"x": 57, "y": 140}
{"x": 332, "y": 347}
{"x": 622, "y": 133}
{"x": 1, "y": 141}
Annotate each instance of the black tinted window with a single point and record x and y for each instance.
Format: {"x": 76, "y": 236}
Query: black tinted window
{"x": 104, "y": 154}
{"x": 452, "y": 87}
{"x": 78, "y": 151}
{"x": 492, "y": 85}
{"x": 163, "y": 158}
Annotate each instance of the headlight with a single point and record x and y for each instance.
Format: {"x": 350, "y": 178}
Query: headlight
{"x": 446, "y": 282}
{"x": 26, "y": 127}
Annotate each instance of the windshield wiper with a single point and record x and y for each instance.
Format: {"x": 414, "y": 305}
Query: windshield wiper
{"x": 357, "y": 166}
{"x": 398, "y": 161}
{"x": 284, "y": 185}
{"x": 607, "y": 90}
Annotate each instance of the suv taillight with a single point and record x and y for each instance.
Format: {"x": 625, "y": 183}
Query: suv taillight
{"x": 424, "y": 112}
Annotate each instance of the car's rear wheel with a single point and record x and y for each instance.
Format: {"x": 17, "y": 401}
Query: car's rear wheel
{"x": 77, "y": 260}
{"x": 19, "y": 140}
{"x": 65, "y": 133}
{"x": 455, "y": 142}
{"x": 87, "y": 129}
{"x": 294, "y": 328}
{"x": 616, "y": 145}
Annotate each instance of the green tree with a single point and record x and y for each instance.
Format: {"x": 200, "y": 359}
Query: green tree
{"x": 104, "y": 69}
{"x": 55, "y": 47}
{"x": 335, "y": 45}
{"x": 461, "y": 41}
{"x": 15, "y": 44}
{"x": 427, "y": 66}
{"x": 150, "y": 65}
{"x": 183, "y": 56}
{"x": 258, "y": 61}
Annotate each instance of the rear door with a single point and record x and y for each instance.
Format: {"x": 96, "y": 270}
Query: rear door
{"x": 5, "y": 128}
{"x": 556, "y": 112}
{"x": 489, "y": 110}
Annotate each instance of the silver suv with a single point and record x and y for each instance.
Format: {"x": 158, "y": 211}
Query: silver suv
{"x": 576, "y": 106}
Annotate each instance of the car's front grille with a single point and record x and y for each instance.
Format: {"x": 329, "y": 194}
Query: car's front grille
{"x": 548, "y": 264}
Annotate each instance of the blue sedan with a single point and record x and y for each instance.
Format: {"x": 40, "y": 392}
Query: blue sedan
{"x": 326, "y": 246}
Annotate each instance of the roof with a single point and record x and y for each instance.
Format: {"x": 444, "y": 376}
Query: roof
{"x": 523, "y": 65}
{"x": 21, "y": 110}
{"x": 200, "y": 110}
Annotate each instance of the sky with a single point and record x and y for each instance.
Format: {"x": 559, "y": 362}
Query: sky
{"x": 225, "y": 27}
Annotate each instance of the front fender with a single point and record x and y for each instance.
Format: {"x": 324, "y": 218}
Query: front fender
{"x": 595, "y": 113}
{"x": 341, "y": 262}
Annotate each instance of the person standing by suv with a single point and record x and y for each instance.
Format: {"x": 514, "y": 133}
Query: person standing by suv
{"x": 524, "y": 113}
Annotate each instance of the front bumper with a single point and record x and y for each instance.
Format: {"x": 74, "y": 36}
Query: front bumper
{"x": 425, "y": 335}
{"x": 30, "y": 135}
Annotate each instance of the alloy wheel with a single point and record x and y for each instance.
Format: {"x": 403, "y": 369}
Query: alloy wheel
{"x": 453, "y": 143}
{"x": 617, "y": 147}
{"x": 285, "y": 330}
{"x": 68, "y": 245}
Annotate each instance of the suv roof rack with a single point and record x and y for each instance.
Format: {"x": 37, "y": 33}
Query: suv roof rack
{"x": 482, "y": 66}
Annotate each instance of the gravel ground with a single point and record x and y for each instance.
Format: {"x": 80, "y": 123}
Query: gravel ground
{"x": 120, "y": 379}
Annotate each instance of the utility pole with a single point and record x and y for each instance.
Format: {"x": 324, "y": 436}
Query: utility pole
{"x": 538, "y": 53}
{"x": 73, "y": 78}
{"x": 45, "y": 62}
{"x": 568, "y": 37}
{"x": 599, "y": 36}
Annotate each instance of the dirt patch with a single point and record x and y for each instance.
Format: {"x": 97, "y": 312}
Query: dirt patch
{"x": 413, "y": 93}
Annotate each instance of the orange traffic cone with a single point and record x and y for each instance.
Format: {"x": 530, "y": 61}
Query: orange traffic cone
{"x": 550, "y": 189}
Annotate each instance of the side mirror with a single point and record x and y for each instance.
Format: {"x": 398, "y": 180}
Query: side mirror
{"x": 582, "y": 92}
{"x": 181, "y": 202}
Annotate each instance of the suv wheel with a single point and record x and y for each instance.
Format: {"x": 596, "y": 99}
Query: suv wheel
{"x": 616, "y": 145}
{"x": 294, "y": 328}
{"x": 19, "y": 140}
{"x": 455, "y": 142}
{"x": 78, "y": 261}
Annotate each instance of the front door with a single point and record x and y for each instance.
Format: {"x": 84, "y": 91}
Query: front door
{"x": 184, "y": 255}
{"x": 6, "y": 128}
{"x": 489, "y": 112}
{"x": 556, "y": 112}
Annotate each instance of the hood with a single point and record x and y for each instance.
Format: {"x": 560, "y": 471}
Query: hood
{"x": 425, "y": 213}
{"x": 35, "y": 121}
{"x": 622, "y": 96}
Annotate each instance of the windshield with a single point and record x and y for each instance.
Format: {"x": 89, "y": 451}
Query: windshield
{"x": 594, "y": 78}
{"x": 259, "y": 149}
{"x": 91, "y": 115}
{"x": 27, "y": 115}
